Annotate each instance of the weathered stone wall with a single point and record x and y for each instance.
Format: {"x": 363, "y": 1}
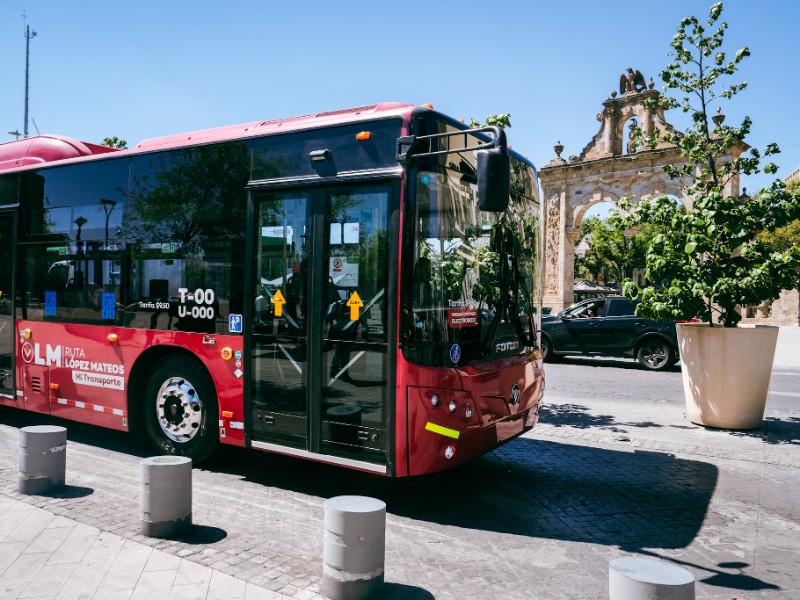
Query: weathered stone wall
{"x": 784, "y": 311}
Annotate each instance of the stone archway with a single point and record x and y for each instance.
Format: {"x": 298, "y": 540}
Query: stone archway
{"x": 608, "y": 168}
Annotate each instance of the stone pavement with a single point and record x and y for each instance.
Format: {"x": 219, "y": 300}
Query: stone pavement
{"x": 43, "y": 555}
{"x": 540, "y": 517}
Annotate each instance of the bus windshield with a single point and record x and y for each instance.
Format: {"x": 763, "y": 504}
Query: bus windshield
{"x": 472, "y": 291}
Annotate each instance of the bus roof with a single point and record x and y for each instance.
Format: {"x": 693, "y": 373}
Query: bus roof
{"x": 275, "y": 126}
{"x": 44, "y": 149}
{"x": 50, "y": 148}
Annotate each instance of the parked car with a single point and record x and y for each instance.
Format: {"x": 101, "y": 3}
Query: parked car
{"x": 609, "y": 327}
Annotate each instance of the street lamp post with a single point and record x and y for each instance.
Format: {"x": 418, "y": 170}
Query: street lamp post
{"x": 29, "y": 35}
{"x": 108, "y": 208}
{"x": 80, "y": 222}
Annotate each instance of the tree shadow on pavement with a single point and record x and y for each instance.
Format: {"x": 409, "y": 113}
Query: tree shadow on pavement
{"x": 581, "y": 417}
{"x": 774, "y": 431}
{"x": 728, "y": 575}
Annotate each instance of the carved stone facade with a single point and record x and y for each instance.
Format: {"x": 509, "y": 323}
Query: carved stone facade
{"x": 608, "y": 168}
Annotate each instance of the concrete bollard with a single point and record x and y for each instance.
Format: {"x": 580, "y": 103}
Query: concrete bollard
{"x": 354, "y": 547}
{"x": 166, "y": 496}
{"x": 42, "y": 458}
{"x": 633, "y": 578}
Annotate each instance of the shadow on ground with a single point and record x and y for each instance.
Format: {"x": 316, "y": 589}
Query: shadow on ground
{"x": 638, "y": 501}
{"x": 611, "y": 363}
{"x": 531, "y": 488}
{"x": 774, "y": 431}
{"x": 728, "y": 575}
{"x": 579, "y": 416}
{"x": 528, "y": 487}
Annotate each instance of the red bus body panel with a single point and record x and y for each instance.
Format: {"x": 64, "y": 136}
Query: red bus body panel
{"x": 496, "y": 416}
{"x": 75, "y": 372}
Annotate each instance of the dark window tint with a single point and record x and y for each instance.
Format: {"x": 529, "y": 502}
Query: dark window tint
{"x": 186, "y": 229}
{"x": 621, "y": 307}
{"x": 9, "y": 189}
{"x": 289, "y": 155}
{"x": 72, "y": 244}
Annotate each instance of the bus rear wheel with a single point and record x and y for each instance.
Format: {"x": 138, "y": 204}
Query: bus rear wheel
{"x": 180, "y": 409}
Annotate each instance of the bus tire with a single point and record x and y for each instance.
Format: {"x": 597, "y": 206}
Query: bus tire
{"x": 180, "y": 409}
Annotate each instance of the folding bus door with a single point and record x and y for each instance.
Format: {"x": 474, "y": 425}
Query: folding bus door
{"x": 279, "y": 339}
{"x": 353, "y": 280}
{"x": 318, "y": 351}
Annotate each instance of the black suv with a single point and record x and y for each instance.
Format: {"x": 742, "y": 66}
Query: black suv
{"x": 609, "y": 326}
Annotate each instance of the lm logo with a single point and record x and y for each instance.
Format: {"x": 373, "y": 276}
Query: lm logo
{"x": 32, "y": 353}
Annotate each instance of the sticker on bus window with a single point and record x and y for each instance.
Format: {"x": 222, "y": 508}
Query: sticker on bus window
{"x": 462, "y": 317}
{"x": 343, "y": 273}
{"x": 350, "y": 233}
{"x": 49, "y": 304}
{"x": 109, "y": 306}
{"x": 336, "y": 234}
{"x": 235, "y": 323}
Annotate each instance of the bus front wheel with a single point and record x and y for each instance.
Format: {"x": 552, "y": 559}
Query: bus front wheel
{"x": 181, "y": 409}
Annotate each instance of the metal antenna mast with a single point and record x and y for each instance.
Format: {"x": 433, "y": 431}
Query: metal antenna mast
{"x": 29, "y": 35}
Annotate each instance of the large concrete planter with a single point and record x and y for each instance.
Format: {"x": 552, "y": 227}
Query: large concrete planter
{"x": 726, "y": 373}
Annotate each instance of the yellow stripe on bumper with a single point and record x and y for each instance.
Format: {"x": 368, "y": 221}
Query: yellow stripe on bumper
{"x": 445, "y": 431}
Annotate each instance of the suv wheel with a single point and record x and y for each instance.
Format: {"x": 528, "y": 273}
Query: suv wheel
{"x": 547, "y": 351}
{"x": 655, "y": 355}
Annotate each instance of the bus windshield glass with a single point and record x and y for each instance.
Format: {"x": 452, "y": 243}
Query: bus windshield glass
{"x": 473, "y": 290}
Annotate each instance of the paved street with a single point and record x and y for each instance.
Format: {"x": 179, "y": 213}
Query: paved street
{"x": 609, "y": 472}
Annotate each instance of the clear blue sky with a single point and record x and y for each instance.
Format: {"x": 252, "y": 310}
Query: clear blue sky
{"x": 153, "y": 67}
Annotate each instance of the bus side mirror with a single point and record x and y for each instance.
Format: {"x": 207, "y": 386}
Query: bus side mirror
{"x": 494, "y": 177}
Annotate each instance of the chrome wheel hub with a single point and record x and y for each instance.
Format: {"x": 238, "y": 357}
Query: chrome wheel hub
{"x": 179, "y": 409}
{"x": 654, "y": 356}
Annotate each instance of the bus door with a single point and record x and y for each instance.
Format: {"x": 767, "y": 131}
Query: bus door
{"x": 279, "y": 345}
{"x": 318, "y": 348}
{"x": 7, "y": 333}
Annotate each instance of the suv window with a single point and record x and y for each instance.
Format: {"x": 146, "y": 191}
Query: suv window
{"x": 621, "y": 307}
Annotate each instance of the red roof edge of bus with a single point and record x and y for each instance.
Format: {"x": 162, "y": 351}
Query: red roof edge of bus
{"x": 272, "y": 126}
{"x": 45, "y": 149}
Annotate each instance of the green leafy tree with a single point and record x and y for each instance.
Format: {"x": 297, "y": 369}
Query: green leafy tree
{"x": 501, "y": 120}
{"x": 712, "y": 259}
{"x": 614, "y": 251}
{"x": 115, "y": 142}
{"x": 782, "y": 238}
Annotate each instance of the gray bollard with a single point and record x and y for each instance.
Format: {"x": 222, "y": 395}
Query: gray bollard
{"x": 166, "y": 496}
{"x": 354, "y": 547}
{"x": 633, "y": 578}
{"x": 42, "y": 458}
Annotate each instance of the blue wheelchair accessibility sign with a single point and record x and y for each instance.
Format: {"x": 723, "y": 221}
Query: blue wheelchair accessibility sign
{"x": 235, "y": 323}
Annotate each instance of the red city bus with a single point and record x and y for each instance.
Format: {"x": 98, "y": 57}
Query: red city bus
{"x": 358, "y": 287}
